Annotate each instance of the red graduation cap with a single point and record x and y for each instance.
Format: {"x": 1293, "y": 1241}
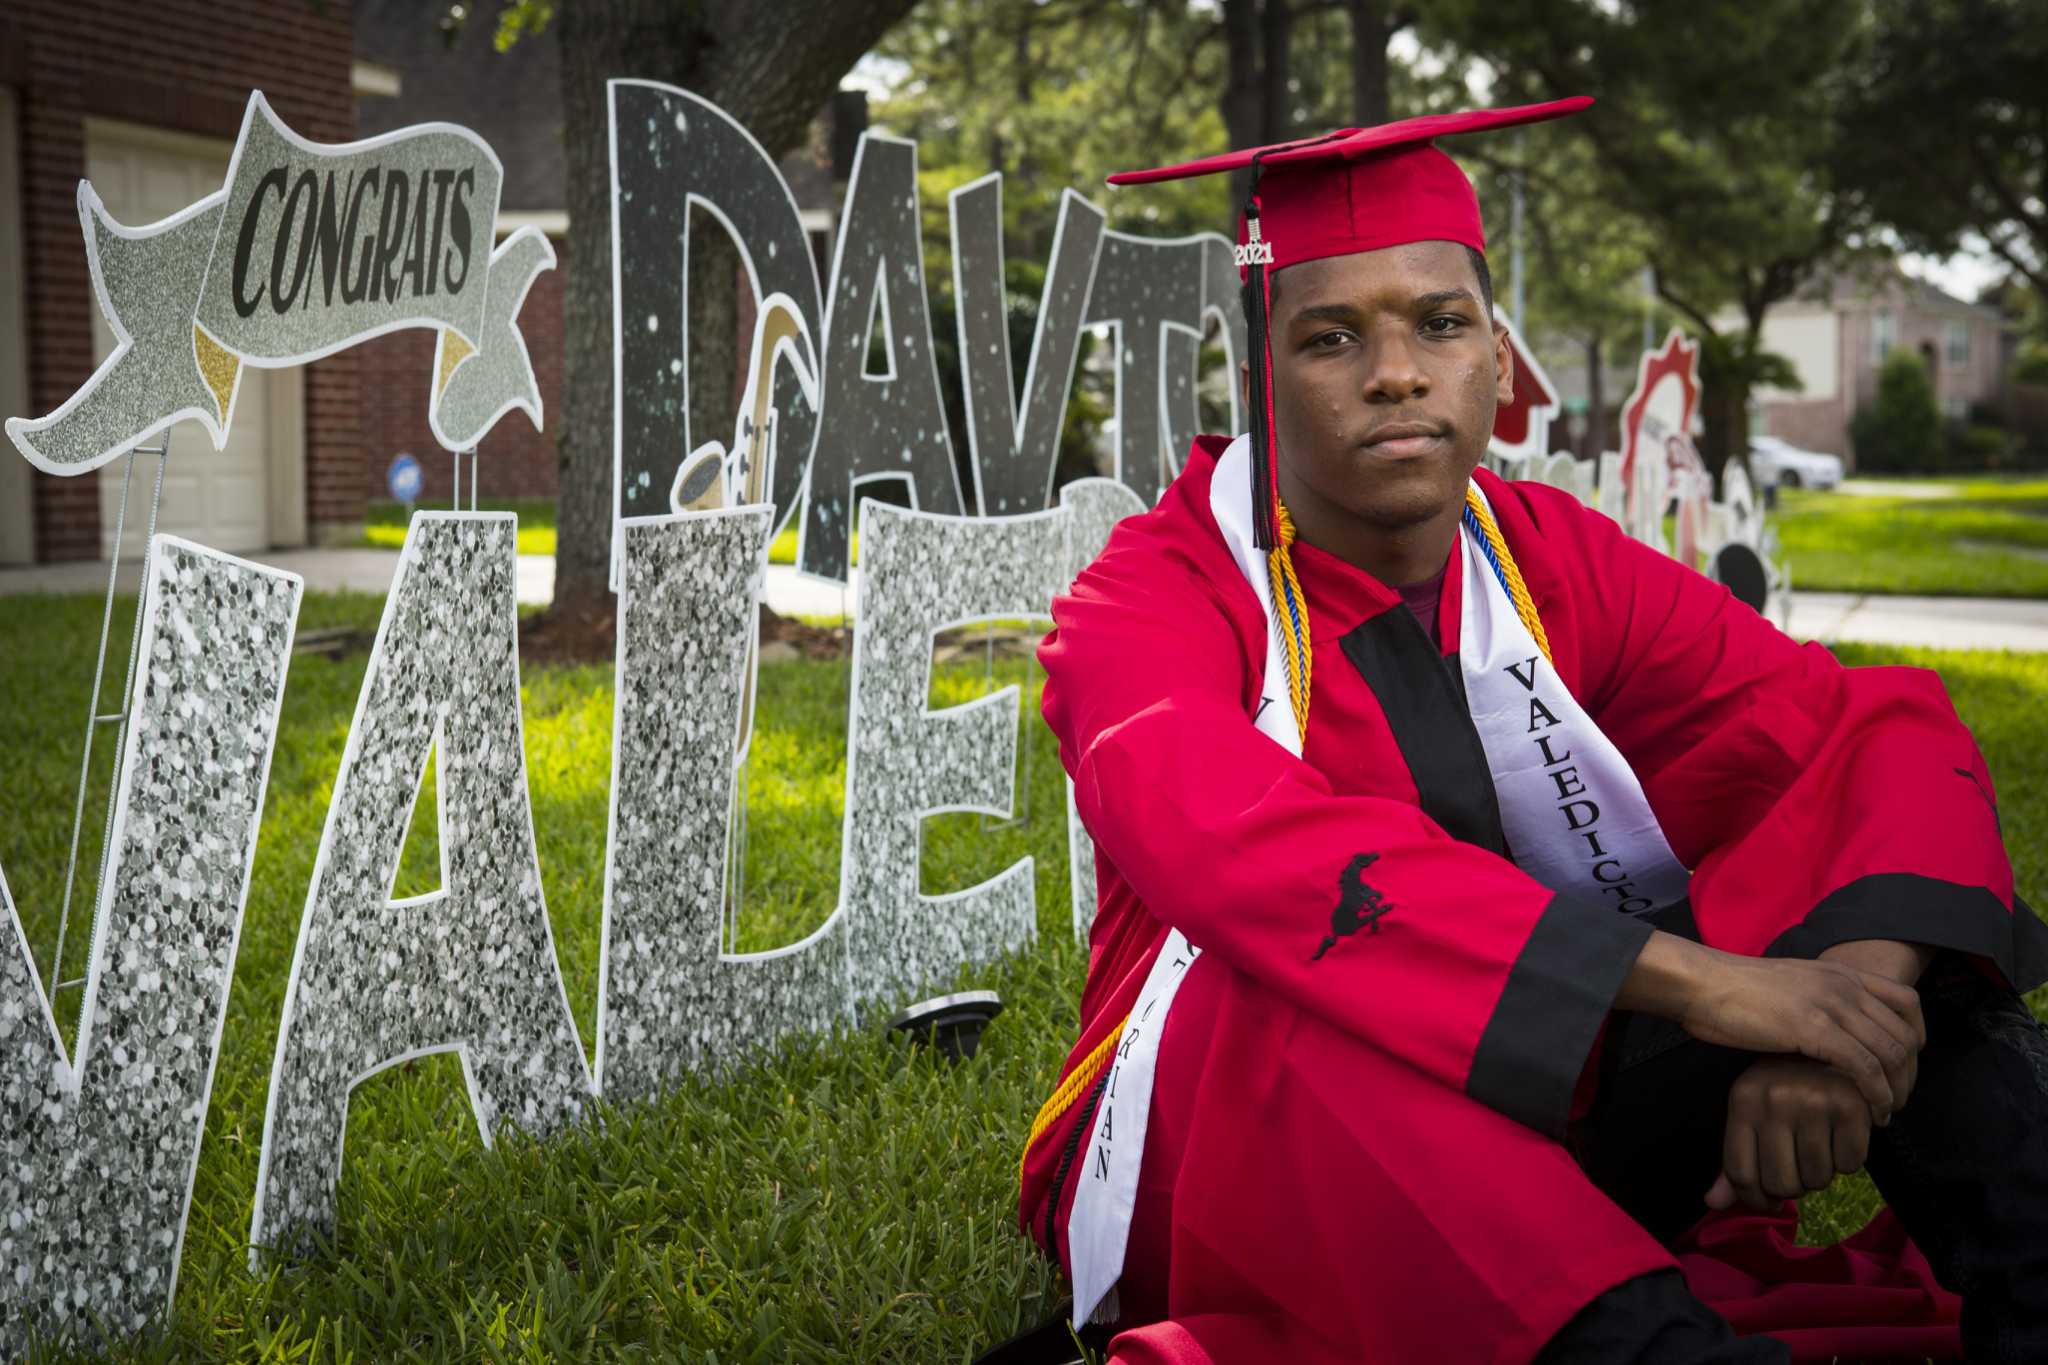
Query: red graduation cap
{"x": 1357, "y": 189}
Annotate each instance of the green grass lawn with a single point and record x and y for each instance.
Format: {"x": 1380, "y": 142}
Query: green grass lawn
{"x": 849, "y": 1198}
{"x": 384, "y": 525}
{"x": 1988, "y": 540}
{"x": 782, "y": 549}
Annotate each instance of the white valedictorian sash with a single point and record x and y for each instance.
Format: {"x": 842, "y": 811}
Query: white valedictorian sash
{"x": 1573, "y": 812}
{"x": 1099, "y": 1224}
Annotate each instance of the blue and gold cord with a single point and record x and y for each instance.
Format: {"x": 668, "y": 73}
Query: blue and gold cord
{"x": 1495, "y": 547}
{"x": 1291, "y": 610}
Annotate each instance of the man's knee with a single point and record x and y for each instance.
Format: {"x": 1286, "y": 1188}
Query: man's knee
{"x": 1655, "y": 1320}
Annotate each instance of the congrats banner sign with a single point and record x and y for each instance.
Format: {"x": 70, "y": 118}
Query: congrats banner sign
{"x": 307, "y": 250}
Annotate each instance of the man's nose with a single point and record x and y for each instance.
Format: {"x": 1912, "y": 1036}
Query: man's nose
{"x": 1393, "y": 374}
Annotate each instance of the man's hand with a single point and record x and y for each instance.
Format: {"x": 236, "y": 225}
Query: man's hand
{"x": 1866, "y": 1025}
{"x": 1793, "y": 1126}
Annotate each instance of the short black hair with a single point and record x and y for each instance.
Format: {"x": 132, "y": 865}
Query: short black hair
{"x": 1478, "y": 259}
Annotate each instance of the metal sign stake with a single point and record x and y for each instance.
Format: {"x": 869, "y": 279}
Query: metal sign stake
{"x": 95, "y": 718}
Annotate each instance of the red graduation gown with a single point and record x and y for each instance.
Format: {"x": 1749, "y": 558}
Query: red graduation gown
{"x": 1355, "y": 1156}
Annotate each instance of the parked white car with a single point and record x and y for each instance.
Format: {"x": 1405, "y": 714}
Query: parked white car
{"x": 1774, "y": 464}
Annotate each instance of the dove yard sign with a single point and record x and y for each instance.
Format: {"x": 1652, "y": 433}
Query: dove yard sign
{"x": 308, "y": 249}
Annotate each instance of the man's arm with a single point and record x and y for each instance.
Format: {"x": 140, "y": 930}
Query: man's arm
{"x": 1863, "y": 1023}
{"x": 1901, "y": 962}
{"x": 1817, "y": 804}
{"x": 1795, "y": 1124}
{"x": 1470, "y": 970}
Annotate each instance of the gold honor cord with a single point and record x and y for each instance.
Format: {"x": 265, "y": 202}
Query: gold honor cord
{"x": 1071, "y": 1089}
{"x": 1290, "y": 608}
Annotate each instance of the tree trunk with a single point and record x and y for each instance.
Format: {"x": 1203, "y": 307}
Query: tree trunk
{"x": 1275, "y": 31}
{"x": 1242, "y": 104}
{"x": 1370, "y": 30}
{"x": 773, "y": 78}
{"x": 1724, "y": 409}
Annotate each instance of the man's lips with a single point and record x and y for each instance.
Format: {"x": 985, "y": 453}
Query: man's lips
{"x": 1400, "y": 439}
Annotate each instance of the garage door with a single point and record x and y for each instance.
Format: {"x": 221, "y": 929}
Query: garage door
{"x": 218, "y": 498}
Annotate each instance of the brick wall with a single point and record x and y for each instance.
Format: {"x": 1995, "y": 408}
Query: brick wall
{"x": 186, "y": 66}
{"x": 514, "y": 460}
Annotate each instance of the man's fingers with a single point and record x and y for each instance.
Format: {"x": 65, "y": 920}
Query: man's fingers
{"x": 1892, "y": 1021}
{"x": 1722, "y": 1194}
{"x": 1841, "y": 1048}
{"x": 1778, "y": 1163}
{"x": 1815, "y": 1144}
{"x": 1738, "y": 1162}
{"x": 1893, "y": 1052}
{"x": 1902, "y": 999}
{"x": 1852, "y": 1146}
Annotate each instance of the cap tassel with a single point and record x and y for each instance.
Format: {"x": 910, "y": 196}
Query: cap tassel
{"x": 1258, "y": 306}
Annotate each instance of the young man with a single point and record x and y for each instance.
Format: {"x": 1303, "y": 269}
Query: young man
{"x": 1485, "y": 897}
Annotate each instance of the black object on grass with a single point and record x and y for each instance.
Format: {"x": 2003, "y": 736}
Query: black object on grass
{"x": 1742, "y": 570}
{"x": 954, "y": 1021}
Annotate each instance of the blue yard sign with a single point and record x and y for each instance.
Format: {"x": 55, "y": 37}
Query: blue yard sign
{"x": 403, "y": 479}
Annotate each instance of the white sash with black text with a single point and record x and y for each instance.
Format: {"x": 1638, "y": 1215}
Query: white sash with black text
{"x": 1099, "y": 1223}
{"x": 1573, "y": 812}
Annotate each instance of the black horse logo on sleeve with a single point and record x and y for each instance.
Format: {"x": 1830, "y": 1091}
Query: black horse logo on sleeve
{"x": 1359, "y": 904}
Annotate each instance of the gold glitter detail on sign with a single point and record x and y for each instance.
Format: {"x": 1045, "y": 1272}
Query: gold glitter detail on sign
{"x": 454, "y": 350}
{"x": 219, "y": 367}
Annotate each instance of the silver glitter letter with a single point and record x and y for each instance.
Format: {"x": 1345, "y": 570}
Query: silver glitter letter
{"x": 670, "y": 999}
{"x": 921, "y": 574}
{"x": 469, "y": 968}
{"x": 1014, "y": 456}
{"x": 1158, "y": 294}
{"x": 883, "y": 426}
{"x": 672, "y": 150}
{"x": 100, "y": 1153}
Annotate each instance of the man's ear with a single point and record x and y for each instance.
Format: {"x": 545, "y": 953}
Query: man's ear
{"x": 1503, "y": 367}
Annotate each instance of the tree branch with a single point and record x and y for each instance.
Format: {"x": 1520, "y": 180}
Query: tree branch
{"x": 1678, "y": 301}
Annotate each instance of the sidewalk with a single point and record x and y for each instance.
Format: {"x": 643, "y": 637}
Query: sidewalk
{"x": 355, "y": 569}
{"x": 1936, "y": 622}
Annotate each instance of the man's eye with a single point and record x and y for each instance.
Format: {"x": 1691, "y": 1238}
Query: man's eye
{"x": 1329, "y": 341}
{"x": 1443, "y": 324}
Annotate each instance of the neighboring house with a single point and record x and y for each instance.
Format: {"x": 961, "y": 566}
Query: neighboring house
{"x": 145, "y": 100}
{"x": 412, "y": 69}
{"x": 1837, "y": 335}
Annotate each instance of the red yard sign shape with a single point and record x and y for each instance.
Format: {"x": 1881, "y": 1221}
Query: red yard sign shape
{"x": 1522, "y": 426}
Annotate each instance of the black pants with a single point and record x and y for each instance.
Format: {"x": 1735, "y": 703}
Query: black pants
{"x": 1964, "y": 1165}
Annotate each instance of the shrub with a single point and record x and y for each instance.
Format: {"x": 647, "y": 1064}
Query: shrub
{"x": 1901, "y": 429}
{"x": 2032, "y": 365}
{"x": 1978, "y": 445}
